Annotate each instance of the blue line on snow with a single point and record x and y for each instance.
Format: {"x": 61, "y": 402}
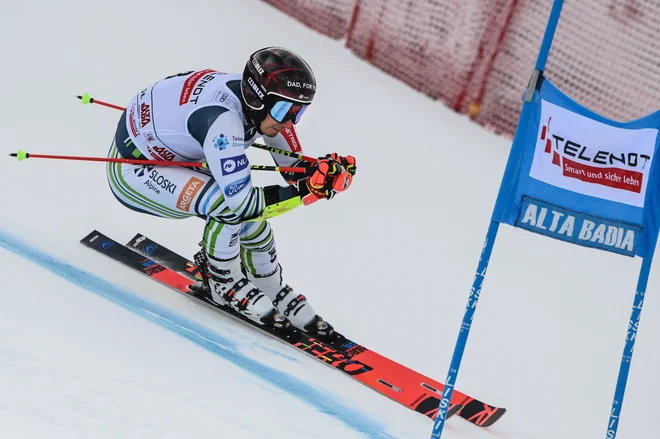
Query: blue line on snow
{"x": 198, "y": 334}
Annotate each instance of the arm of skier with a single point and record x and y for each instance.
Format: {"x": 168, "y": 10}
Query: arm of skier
{"x": 287, "y": 140}
{"x": 231, "y": 170}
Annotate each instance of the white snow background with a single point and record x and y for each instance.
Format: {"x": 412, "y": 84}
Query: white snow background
{"x": 89, "y": 349}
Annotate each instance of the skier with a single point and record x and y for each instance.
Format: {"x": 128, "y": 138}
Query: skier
{"x": 213, "y": 116}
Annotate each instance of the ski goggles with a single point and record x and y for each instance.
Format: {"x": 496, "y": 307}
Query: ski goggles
{"x": 283, "y": 111}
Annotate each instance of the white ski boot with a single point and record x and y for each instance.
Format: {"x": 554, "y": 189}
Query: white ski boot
{"x": 226, "y": 285}
{"x": 295, "y": 306}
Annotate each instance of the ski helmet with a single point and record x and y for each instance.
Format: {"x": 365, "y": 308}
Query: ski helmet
{"x": 278, "y": 82}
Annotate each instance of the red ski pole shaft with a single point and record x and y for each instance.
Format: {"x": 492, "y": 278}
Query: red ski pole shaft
{"x": 87, "y": 99}
{"x": 22, "y": 155}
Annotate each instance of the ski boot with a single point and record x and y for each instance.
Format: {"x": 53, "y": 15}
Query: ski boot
{"x": 225, "y": 285}
{"x": 218, "y": 287}
{"x": 296, "y": 307}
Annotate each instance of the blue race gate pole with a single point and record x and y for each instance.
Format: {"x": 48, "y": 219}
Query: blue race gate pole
{"x": 473, "y": 299}
{"x": 465, "y": 330}
{"x": 633, "y": 325}
{"x": 549, "y": 35}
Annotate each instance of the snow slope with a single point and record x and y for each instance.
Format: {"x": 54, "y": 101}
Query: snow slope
{"x": 88, "y": 349}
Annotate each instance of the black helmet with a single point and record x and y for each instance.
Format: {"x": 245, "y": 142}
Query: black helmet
{"x": 278, "y": 82}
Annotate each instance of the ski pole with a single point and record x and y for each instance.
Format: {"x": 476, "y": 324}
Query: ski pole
{"x": 285, "y": 152}
{"x": 22, "y": 155}
{"x": 87, "y": 99}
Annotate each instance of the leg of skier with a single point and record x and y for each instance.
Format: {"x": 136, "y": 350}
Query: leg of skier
{"x": 178, "y": 193}
{"x": 259, "y": 256}
{"x": 227, "y": 285}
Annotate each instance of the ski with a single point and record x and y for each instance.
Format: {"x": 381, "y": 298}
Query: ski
{"x": 466, "y": 407}
{"x": 385, "y": 376}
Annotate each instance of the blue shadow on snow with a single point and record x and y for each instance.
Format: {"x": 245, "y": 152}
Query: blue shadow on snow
{"x": 198, "y": 334}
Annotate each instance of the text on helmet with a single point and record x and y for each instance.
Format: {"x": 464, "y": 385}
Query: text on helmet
{"x": 300, "y": 85}
{"x": 257, "y": 66}
{"x": 255, "y": 87}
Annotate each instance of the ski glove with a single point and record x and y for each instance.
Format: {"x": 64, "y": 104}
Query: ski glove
{"x": 349, "y": 164}
{"x": 325, "y": 178}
